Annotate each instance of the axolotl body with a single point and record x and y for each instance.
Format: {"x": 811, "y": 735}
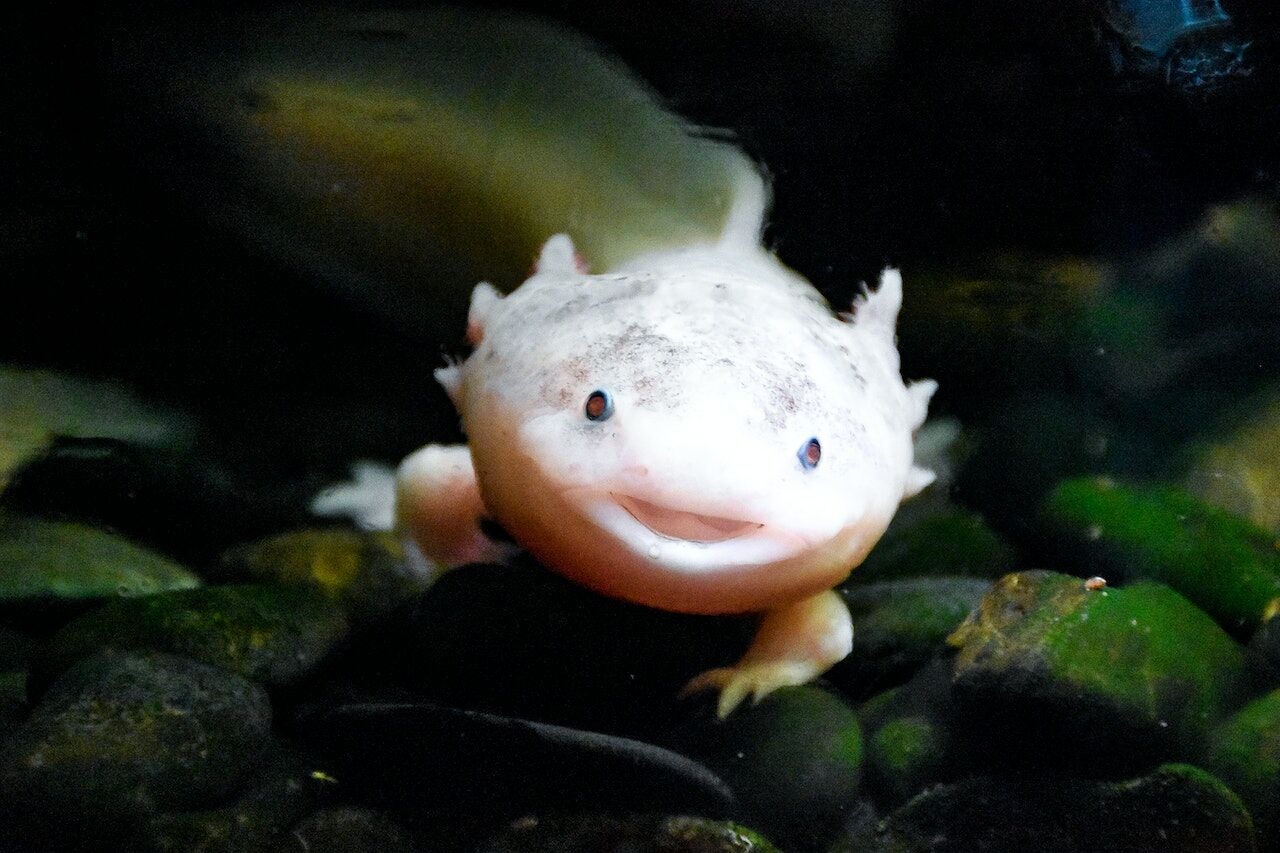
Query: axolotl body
{"x": 695, "y": 431}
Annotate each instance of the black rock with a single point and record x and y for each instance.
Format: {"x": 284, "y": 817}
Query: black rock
{"x": 121, "y": 736}
{"x": 609, "y": 834}
{"x": 348, "y": 830}
{"x": 418, "y": 756}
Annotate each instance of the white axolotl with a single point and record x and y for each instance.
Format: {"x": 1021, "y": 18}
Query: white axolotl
{"x": 694, "y": 430}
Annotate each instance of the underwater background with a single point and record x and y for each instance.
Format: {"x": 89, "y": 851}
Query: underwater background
{"x": 221, "y": 297}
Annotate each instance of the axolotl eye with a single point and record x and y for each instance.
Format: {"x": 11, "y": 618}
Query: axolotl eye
{"x": 810, "y": 454}
{"x": 599, "y": 406}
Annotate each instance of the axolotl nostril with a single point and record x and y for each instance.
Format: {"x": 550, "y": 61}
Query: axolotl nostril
{"x": 694, "y": 430}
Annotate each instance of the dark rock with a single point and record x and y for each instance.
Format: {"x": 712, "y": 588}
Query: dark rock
{"x": 121, "y": 736}
{"x": 899, "y": 626}
{"x": 258, "y": 819}
{"x": 913, "y": 740}
{"x": 270, "y": 634}
{"x": 13, "y": 702}
{"x": 607, "y": 834}
{"x": 347, "y": 830}
{"x": 42, "y": 561}
{"x": 794, "y": 761}
{"x": 417, "y": 756}
{"x": 186, "y": 504}
{"x": 952, "y": 542}
{"x": 522, "y": 641}
{"x": 367, "y": 573}
{"x": 1221, "y": 563}
{"x": 1245, "y": 753}
{"x": 16, "y": 649}
{"x": 1101, "y": 680}
{"x": 1177, "y": 807}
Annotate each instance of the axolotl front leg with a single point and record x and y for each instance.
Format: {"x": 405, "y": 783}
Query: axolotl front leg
{"x": 438, "y": 504}
{"x": 794, "y": 645}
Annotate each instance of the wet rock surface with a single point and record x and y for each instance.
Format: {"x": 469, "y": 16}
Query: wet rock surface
{"x": 53, "y": 562}
{"x": 794, "y": 761}
{"x": 1104, "y": 678}
{"x": 592, "y": 833}
{"x": 1176, "y": 807}
{"x": 269, "y": 634}
{"x": 122, "y": 736}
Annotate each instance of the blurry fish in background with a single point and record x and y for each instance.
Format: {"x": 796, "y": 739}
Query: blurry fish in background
{"x": 404, "y": 155}
{"x": 1193, "y": 46}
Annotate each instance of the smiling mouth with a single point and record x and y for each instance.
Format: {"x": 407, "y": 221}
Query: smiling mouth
{"x": 688, "y": 526}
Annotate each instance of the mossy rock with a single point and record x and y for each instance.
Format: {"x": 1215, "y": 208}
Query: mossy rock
{"x": 1245, "y": 753}
{"x": 367, "y": 573}
{"x": 1240, "y": 472}
{"x": 120, "y": 737}
{"x": 593, "y": 833}
{"x": 912, "y": 738}
{"x": 899, "y": 625}
{"x": 1176, "y": 807}
{"x": 258, "y": 820}
{"x": 1095, "y": 678}
{"x": 953, "y": 542}
{"x": 794, "y": 761}
{"x": 273, "y": 635}
{"x": 44, "y": 561}
{"x": 349, "y": 829}
{"x": 1223, "y": 564}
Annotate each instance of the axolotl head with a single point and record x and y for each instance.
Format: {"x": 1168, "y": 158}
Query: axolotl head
{"x": 696, "y": 431}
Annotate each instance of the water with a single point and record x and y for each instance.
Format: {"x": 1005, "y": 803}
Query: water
{"x": 1072, "y": 633}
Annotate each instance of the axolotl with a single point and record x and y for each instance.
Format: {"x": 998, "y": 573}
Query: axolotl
{"x": 695, "y": 430}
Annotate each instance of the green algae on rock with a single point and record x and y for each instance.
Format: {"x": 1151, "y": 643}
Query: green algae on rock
{"x": 1245, "y": 753}
{"x": 794, "y": 761}
{"x": 350, "y": 829}
{"x": 1224, "y": 564}
{"x": 43, "y": 560}
{"x": 1112, "y": 676}
{"x": 951, "y": 542}
{"x": 121, "y": 736}
{"x": 367, "y": 573}
{"x": 899, "y": 625}
{"x": 278, "y": 794}
{"x": 273, "y": 635}
{"x": 1175, "y": 807}
{"x": 590, "y": 833}
{"x": 912, "y": 736}
{"x": 1241, "y": 471}
{"x": 37, "y": 406}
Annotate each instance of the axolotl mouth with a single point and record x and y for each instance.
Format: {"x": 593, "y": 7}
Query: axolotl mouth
{"x": 681, "y": 525}
{"x": 683, "y": 540}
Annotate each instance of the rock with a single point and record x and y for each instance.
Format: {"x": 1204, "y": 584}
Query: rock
{"x": 521, "y": 641}
{"x": 121, "y": 736}
{"x": 185, "y": 503}
{"x": 1241, "y": 471}
{"x": 417, "y": 757}
{"x": 1103, "y": 681}
{"x": 367, "y": 573}
{"x": 37, "y": 406}
{"x": 1223, "y": 564}
{"x": 899, "y": 625}
{"x": 259, "y": 819}
{"x": 273, "y": 635}
{"x": 794, "y": 761}
{"x": 953, "y": 542}
{"x": 1245, "y": 754}
{"x": 13, "y": 702}
{"x": 608, "y": 834}
{"x": 347, "y": 830}
{"x": 43, "y": 561}
{"x": 912, "y": 738}
{"x": 16, "y": 649}
{"x": 1176, "y": 807}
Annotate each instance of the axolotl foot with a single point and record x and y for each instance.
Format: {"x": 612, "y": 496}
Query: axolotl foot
{"x": 795, "y": 645}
